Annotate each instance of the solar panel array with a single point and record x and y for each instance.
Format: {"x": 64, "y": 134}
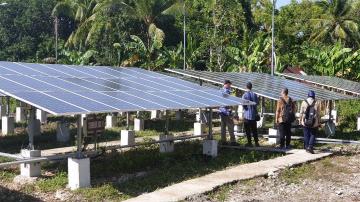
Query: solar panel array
{"x": 328, "y": 81}
{"x": 264, "y": 85}
{"x": 66, "y": 89}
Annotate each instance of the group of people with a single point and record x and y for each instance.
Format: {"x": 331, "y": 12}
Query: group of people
{"x": 284, "y": 118}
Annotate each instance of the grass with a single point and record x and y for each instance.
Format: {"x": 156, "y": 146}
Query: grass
{"x": 221, "y": 193}
{"x": 160, "y": 170}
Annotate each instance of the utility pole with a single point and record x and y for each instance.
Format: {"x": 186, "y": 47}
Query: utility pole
{"x": 272, "y": 39}
{"x": 184, "y": 22}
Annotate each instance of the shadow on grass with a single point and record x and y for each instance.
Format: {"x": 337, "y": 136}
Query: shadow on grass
{"x": 11, "y": 195}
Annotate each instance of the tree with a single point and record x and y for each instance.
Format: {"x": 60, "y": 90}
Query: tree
{"x": 335, "y": 24}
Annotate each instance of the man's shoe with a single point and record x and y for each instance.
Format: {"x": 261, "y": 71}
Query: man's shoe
{"x": 288, "y": 147}
{"x": 234, "y": 144}
{"x": 311, "y": 151}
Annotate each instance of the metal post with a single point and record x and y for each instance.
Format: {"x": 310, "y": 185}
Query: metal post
{"x": 200, "y": 82}
{"x": 330, "y": 109}
{"x": 79, "y": 137}
{"x": 127, "y": 120}
{"x": 31, "y": 127}
{"x": 210, "y": 135}
{"x": 272, "y": 39}
{"x": 166, "y": 122}
{"x": 8, "y": 106}
{"x": 184, "y": 22}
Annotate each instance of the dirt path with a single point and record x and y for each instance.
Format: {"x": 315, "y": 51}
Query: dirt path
{"x": 335, "y": 178}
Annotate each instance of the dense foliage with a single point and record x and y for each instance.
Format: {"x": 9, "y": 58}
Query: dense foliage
{"x": 322, "y": 36}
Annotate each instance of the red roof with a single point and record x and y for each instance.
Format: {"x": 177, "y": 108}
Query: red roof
{"x": 294, "y": 70}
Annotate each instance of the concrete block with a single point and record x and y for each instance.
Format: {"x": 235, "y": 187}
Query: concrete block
{"x": 78, "y": 173}
{"x": 155, "y": 114}
{"x": 83, "y": 116}
{"x": 30, "y": 169}
{"x": 62, "y": 131}
{"x": 111, "y": 121}
{"x": 166, "y": 146}
{"x": 210, "y": 148}
{"x": 199, "y": 128}
{"x": 41, "y": 115}
{"x": 34, "y": 127}
{"x": 7, "y": 125}
{"x": 138, "y": 124}
{"x": 274, "y": 136}
{"x": 20, "y": 114}
{"x": 2, "y": 110}
{"x": 237, "y": 128}
{"x": 179, "y": 115}
{"x": 240, "y": 111}
{"x": 127, "y": 137}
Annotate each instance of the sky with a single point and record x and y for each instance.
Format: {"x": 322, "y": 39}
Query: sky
{"x": 280, "y": 3}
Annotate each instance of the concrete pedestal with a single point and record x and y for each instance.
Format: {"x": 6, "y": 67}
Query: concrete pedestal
{"x": 237, "y": 128}
{"x": 83, "y": 116}
{"x": 210, "y": 148}
{"x": 166, "y": 146}
{"x": 78, "y": 173}
{"x": 274, "y": 136}
{"x": 62, "y": 131}
{"x": 34, "y": 127}
{"x": 41, "y": 115}
{"x": 179, "y": 115}
{"x": 199, "y": 128}
{"x": 30, "y": 169}
{"x": 138, "y": 124}
{"x": 20, "y": 114}
{"x": 240, "y": 111}
{"x": 2, "y": 110}
{"x": 155, "y": 114}
{"x": 111, "y": 121}
{"x": 7, "y": 125}
{"x": 127, "y": 137}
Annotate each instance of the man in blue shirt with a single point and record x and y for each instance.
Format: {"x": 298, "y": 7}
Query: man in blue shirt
{"x": 227, "y": 116}
{"x": 250, "y": 113}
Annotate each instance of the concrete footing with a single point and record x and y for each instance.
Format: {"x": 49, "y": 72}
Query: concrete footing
{"x": 127, "y": 137}
{"x": 20, "y": 114}
{"x": 7, "y": 125}
{"x": 34, "y": 127}
{"x": 199, "y": 128}
{"x": 30, "y": 169}
{"x": 237, "y": 128}
{"x": 41, "y": 115}
{"x": 274, "y": 136}
{"x": 78, "y": 173}
{"x": 138, "y": 124}
{"x": 62, "y": 131}
{"x": 166, "y": 146}
{"x": 155, "y": 114}
{"x": 111, "y": 121}
{"x": 210, "y": 148}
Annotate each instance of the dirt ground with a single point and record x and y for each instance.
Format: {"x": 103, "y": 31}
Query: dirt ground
{"x": 335, "y": 178}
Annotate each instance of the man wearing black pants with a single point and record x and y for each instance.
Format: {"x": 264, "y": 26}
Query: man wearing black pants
{"x": 250, "y": 113}
{"x": 285, "y": 115}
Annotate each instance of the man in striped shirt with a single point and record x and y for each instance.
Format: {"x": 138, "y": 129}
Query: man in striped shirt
{"x": 250, "y": 113}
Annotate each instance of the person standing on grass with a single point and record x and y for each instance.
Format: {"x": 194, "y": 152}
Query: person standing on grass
{"x": 226, "y": 117}
{"x": 251, "y": 116}
{"x": 285, "y": 115}
{"x": 310, "y": 120}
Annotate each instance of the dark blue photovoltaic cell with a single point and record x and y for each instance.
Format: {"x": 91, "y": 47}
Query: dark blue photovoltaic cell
{"x": 67, "y": 89}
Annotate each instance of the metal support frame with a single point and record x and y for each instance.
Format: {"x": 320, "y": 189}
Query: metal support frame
{"x": 167, "y": 119}
{"x": 210, "y": 135}
{"x": 330, "y": 109}
{"x": 79, "y": 137}
{"x": 8, "y": 106}
{"x": 127, "y": 120}
{"x": 32, "y": 118}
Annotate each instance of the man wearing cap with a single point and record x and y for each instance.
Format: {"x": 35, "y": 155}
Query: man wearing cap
{"x": 250, "y": 113}
{"x": 310, "y": 120}
{"x": 226, "y": 116}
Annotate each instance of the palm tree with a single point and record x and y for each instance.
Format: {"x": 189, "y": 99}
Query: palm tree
{"x": 336, "y": 24}
{"x": 148, "y": 11}
{"x": 81, "y": 11}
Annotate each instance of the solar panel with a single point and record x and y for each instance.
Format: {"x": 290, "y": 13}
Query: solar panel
{"x": 68, "y": 89}
{"x": 264, "y": 85}
{"x": 328, "y": 81}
